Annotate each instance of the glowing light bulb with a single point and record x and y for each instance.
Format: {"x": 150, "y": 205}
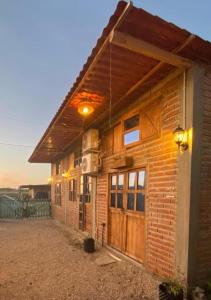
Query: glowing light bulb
{"x": 85, "y": 109}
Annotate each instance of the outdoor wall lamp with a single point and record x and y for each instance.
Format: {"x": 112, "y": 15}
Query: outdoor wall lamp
{"x": 180, "y": 137}
{"x": 65, "y": 174}
{"x": 50, "y": 179}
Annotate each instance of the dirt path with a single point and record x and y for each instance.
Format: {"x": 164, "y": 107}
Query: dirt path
{"x": 39, "y": 261}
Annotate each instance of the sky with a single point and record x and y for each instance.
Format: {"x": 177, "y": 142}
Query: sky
{"x": 43, "y": 46}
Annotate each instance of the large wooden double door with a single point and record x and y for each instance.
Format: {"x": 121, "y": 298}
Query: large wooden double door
{"x": 127, "y": 212}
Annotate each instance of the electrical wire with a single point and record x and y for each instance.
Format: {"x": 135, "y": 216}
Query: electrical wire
{"x": 16, "y": 145}
{"x": 22, "y": 121}
{"x": 110, "y": 87}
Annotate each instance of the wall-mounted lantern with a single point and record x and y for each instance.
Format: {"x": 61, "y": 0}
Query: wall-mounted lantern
{"x": 50, "y": 179}
{"x": 180, "y": 137}
{"x": 66, "y": 174}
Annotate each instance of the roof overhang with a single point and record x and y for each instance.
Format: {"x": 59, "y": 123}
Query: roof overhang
{"x": 135, "y": 51}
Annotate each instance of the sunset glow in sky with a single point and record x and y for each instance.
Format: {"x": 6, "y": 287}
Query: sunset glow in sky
{"x": 43, "y": 46}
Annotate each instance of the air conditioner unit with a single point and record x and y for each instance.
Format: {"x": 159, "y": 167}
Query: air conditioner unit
{"x": 90, "y": 140}
{"x": 90, "y": 163}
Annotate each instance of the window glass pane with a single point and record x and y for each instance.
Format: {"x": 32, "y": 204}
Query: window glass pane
{"x": 120, "y": 182}
{"x": 131, "y": 180}
{"x": 85, "y": 178}
{"x": 81, "y": 189}
{"x": 113, "y": 182}
{"x": 141, "y": 179}
{"x": 131, "y": 137}
{"x": 58, "y": 167}
{"x": 86, "y": 188}
{"x": 140, "y": 202}
{"x": 86, "y": 198}
{"x": 76, "y": 163}
{"x": 112, "y": 199}
{"x": 131, "y": 123}
{"x": 119, "y": 200}
{"x": 130, "y": 201}
{"x": 80, "y": 216}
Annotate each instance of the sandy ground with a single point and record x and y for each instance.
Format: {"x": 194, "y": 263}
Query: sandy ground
{"x": 41, "y": 260}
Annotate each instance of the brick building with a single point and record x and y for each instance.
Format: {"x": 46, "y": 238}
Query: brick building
{"x": 120, "y": 171}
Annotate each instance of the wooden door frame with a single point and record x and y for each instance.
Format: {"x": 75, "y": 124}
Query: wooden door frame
{"x": 146, "y": 210}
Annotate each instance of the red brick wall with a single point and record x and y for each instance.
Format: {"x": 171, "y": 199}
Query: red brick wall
{"x": 159, "y": 155}
{"x": 72, "y": 207}
{"x": 204, "y": 243}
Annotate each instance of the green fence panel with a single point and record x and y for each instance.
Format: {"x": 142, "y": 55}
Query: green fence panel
{"x": 12, "y": 208}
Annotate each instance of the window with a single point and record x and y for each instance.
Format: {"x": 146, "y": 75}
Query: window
{"x": 72, "y": 190}
{"x": 117, "y": 186}
{"x": 58, "y": 193}
{"x": 58, "y": 167}
{"x": 141, "y": 179}
{"x": 130, "y": 201}
{"x": 127, "y": 190}
{"x": 120, "y": 182}
{"x": 131, "y": 123}
{"x": 42, "y": 195}
{"x": 77, "y": 159}
{"x": 131, "y": 180}
{"x": 136, "y": 190}
{"x": 85, "y": 188}
{"x": 131, "y": 130}
{"x": 113, "y": 182}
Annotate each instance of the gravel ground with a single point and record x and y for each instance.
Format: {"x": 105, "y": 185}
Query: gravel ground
{"x": 40, "y": 260}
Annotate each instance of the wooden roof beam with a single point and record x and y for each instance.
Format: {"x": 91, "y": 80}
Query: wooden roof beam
{"x": 139, "y": 46}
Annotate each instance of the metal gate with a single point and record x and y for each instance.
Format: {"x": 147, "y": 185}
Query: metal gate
{"x": 14, "y": 208}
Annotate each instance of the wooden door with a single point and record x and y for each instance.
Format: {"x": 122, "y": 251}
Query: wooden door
{"x": 126, "y": 213}
{"x": 85, "y": 206}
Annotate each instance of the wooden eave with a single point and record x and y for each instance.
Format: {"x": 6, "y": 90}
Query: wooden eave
{"x": 135, "y": 52}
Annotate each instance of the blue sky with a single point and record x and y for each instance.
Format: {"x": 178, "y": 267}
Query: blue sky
{"x": 43, "y": 46}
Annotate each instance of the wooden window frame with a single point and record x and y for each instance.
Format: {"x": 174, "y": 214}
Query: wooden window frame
{"x": 85, "y": 189}
{"x": 138, "y": 127}
{"x": 125, "y": 191}
{"x": 135, "y": 191}
{"x": 140, "y": 111}
{"x": 77, "y": 159}
{"x": 58, "y": 194}
{"x": 58, "y": 167}
{"x": 72, "y": 189}
{"x": 117, "y": 191}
